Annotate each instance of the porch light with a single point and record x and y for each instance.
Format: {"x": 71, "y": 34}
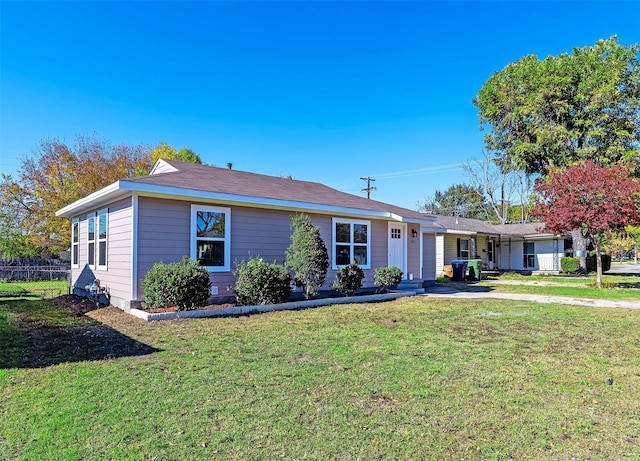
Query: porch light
{"x": 414, "y": 233}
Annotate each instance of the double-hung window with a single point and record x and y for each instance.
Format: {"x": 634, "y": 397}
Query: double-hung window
{"x": 102, "y": 229}
{"x": 75, "y": 242}
{"x": 529, "y": 257}
{"x": 463, "y": 248}
{"x": 351, "y": 242}
{"x": 91, "y": 240}
{"x": 211, "y": 237}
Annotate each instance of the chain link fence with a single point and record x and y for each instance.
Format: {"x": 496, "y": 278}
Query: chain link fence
{"x": 43, "y": 282}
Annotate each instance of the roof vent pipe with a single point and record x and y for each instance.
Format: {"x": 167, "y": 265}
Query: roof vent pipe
{"x": 229, "y": 165}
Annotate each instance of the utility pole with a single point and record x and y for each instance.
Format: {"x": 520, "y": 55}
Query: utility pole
{"x": 369, "y": 188}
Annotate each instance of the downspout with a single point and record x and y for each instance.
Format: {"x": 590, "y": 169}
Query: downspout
{"x": 134, "y": 247}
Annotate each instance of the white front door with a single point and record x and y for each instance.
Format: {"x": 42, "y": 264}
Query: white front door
{"x": 397, "y": 247}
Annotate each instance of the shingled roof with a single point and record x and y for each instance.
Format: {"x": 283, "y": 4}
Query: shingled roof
{"x": 171, "y": 177}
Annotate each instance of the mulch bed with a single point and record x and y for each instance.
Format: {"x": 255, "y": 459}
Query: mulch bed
{"x": 160, "y": 310}
{"x": 78, "y": 304}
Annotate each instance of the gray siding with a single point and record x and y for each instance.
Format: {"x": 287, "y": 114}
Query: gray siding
{"x": 429, "y": 257}
{"x": 163, "y": 234}
{"x": 117, "y": 276}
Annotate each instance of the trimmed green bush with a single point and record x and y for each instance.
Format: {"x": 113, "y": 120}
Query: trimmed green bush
{"x": 386, "y": 277}
{"x": 258, "y": 283}
{"x": 348, "y": 279}
{"x": 184, "y": 284}
{"x": 570, "y": 265}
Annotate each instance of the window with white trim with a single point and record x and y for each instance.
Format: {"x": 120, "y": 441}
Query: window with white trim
{"x": 91, "y": 240}
{"x": 102, "y": 226}
{"x": 529, "y": 256}
{"x": 463, "y": 248}
{"x": 351, "y": 242}
{"x": 211, "y": 237}
{"x": 75, "y": 242}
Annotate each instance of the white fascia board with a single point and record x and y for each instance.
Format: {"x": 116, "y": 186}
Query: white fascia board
{"x": 461, "y": 232}
{"x": 84, "y": 203}
{"x": 179, "y": 193}
{"x": 432, "y": 230}
{"x": 422, "y": 221}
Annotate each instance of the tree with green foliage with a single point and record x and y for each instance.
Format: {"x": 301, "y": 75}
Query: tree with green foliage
{"x": 167, "y": 152}
{"x": 459, "y": 200}
{"x": 564, "y": 110}
{"x": 307, "y": 256}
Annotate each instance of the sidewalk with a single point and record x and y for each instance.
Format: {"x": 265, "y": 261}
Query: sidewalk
{"x": 475, "y": 292}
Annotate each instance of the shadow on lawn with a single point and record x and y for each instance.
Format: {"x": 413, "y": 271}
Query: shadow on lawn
{"x": 32, "y": 340}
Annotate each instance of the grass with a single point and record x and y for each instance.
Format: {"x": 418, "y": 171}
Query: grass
{"x": 415, "y": 378}
{"x": 42, "y": 289}
{"x": 621, "y": 287}
{"x": 570, "y": 291}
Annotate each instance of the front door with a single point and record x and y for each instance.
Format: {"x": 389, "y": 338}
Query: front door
{"x": 397, "y": 252}
{"x": 490, "y": 254}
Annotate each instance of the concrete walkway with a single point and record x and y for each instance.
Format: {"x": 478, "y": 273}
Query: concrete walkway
{"x": 475, "y": 292}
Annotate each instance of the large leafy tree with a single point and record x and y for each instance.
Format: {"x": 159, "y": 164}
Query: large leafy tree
{"x": 55, "y": 176}
{"x": 167, "y": 152}
{"x": 564, "y": 110}
{"x": 597, "y": 200}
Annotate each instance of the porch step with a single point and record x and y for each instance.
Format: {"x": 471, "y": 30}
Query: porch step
{"x": 414, "y": 285}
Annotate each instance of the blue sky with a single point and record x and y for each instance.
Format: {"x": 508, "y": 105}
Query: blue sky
{"x": 322, "y": 91}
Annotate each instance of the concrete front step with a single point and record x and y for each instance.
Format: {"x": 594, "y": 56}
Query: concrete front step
{"x": 414, "y": 285}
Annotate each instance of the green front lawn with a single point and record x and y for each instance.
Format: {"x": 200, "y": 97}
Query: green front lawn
{"x": 415, "y": 378}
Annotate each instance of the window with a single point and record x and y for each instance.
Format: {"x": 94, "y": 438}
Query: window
{"x": 91, "y": 240}
{"x": 75, "y": 242}
{"x": 351, "y": 243}
{"x": 102, "y": 239}
{"x": 529, "y": 259}
{"x": 463, "y": 248}
{"x": 211, "y": 237}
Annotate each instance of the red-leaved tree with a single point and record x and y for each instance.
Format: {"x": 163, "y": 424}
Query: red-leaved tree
{"x": 595, "y": 199}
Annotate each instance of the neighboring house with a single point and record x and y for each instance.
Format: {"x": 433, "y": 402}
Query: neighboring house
{"x": 220, "y": 216}
{"x": 524, "y": 247}
{"x": 517, "y": 247}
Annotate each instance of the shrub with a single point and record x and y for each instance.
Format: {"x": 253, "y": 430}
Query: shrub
{"x": 570, "y": 265}
{"x": 258, "y": 282}
{"x": 184, "y": 284}
{"x": 348, "y": 279}
{"x": 307, "y": 255}
{"x": 386, "y": 277}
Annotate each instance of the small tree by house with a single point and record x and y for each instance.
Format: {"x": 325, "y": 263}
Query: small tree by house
{"x": 307, "y": 256}
{"x": 595, "y": 199}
